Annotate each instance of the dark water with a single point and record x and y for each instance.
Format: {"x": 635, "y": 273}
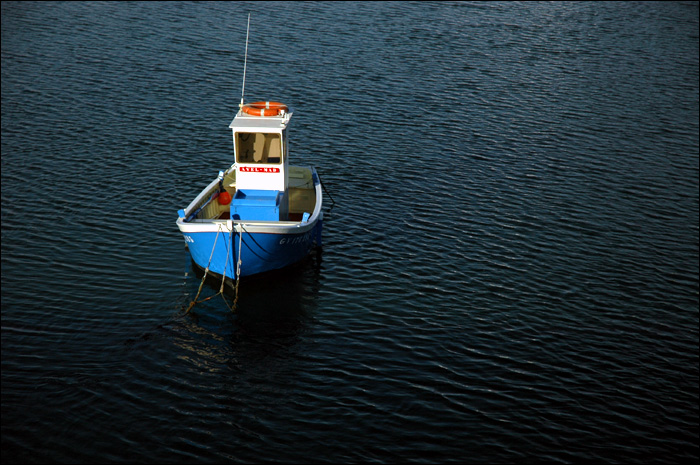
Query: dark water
{"x": 509, "y": 273}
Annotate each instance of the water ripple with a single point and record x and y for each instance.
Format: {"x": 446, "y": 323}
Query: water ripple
{"x": 509, "y": 273}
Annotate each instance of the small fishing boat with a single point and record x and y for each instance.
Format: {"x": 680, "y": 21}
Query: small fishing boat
{"x": 262, "y": 213}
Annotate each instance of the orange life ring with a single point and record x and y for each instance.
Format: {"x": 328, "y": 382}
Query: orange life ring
{"x": 264, "y": 108}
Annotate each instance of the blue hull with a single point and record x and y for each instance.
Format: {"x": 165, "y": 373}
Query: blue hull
{"x": 216, "y": 236}
{"x": 259, "y": 251}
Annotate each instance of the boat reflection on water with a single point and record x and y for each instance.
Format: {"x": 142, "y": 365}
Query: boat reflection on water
{"x": 269, "y": 303}
{"x": 273, "y": 309}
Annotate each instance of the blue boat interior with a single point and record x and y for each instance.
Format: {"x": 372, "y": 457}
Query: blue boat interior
{"x": 259, "y": 205}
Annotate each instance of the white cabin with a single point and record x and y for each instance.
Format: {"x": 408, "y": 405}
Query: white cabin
{"x": 262, "y": 167}
{"x": 260, "y": 149}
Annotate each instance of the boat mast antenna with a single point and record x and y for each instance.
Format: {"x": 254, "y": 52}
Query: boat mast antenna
{"x": 245, "y": 62}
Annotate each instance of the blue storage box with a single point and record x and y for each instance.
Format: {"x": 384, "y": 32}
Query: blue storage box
{"x": 256, "y": 205}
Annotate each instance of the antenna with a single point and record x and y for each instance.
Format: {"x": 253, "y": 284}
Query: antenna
{"x": 245, "y": 62}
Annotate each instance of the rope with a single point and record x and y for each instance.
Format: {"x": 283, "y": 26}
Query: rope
{"x": 323, "y": 185}
{"x": 238, "y": 265}
{"x": 223, "y": 278}
{"x": 192, "y": 304}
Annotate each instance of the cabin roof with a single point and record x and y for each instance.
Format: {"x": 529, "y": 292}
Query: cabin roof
{"x": 248, "y": 123}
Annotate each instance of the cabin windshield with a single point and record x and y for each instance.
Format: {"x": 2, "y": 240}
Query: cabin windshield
{"x": 258, "y": 147}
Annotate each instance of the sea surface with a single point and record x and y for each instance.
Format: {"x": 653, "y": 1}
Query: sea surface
{"x": 509, "y": 270}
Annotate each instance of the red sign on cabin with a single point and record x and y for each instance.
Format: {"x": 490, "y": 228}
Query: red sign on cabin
{"x": 258, "y": 169}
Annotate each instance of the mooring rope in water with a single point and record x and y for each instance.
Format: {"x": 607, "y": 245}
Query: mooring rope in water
{"x": 192, "y": 304}
{"x": 323, "y": 185}
{"x": 238, "y": 265}
{"x": 223, "y": 278}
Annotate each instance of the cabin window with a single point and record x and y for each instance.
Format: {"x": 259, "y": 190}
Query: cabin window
{"x": 258, "y": 147}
